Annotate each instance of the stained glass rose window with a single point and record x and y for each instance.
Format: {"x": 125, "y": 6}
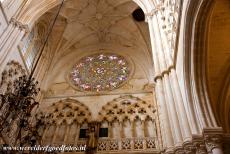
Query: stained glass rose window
{"x": 100, "y": 72}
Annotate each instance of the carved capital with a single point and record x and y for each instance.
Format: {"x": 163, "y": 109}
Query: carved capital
{"x": 200, "y": 147}
{"x": 179, "y": 150}
{"x": 213, "y": 138}
{"x": 199, "y": 144}
{"x": 189, "y": 148}
{"x": 166, "y": 71}
{"x": 213, "y": 141}
{"x": 20, "y": 25}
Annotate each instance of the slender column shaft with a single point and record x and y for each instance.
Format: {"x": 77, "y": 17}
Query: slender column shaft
{"x": 110, "y": 130}
{"x": 44, "y": 134}
{"x": 66, "y": 133}
{"x": 133, "y": 129}
{"x": 122, "y": 134}
{"x": 143, "y": 127}
{"x": 77, "y": 134}
{"x": 55, "y": 134}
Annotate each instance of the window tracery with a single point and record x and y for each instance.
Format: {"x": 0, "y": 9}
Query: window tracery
{"x": 31, "y": 43}
{"x": 100, "y": 72}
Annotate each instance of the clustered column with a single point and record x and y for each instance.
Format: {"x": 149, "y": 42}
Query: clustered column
{"x": 175, "y": 126}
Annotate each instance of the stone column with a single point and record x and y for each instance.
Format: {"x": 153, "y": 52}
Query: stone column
{"x": 121, "y": 127}
{"x": 159, "y": 90}
{"x": 110, "y": 130}
{"x": 143, "y": 124}
{"x": 44, "y": 133}
{"x": 179, "y": 103}
{"x": 168, "y": 91}
{"x": 67, "y": 132}
{"x": 55, "y": 133}
{"x": 133, "y": 128}
{"x": 164, "y": 89}
{"x": 77, "y": 133}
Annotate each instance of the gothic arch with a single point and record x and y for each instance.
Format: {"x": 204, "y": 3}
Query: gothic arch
{"x": 67, "y": 110}
{"x": 132, "y": 121}
{"x": 195, "y": 51}
{"x": 198, "y": 35}
{"x": 127, "y": 108}
{"x": 61, "y": 122}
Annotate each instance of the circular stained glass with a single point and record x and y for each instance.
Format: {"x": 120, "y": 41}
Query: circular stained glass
{"x": 100, "y": 72}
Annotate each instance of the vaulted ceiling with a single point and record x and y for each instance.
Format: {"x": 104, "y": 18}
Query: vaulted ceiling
{"x": 86, "y": 27}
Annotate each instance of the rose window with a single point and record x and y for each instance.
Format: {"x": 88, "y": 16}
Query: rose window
{"x": 100, "y": 72}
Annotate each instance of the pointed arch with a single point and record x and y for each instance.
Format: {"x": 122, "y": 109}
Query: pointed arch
{"x": 127, "y": 108}
{"x": 67, "y": 110}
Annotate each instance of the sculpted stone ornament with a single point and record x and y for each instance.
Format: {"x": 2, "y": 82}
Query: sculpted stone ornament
{"x": 20, "y": 25}
{"x": 213, "y": 141}
{"x": 200, "y": 147}
{"x": 189, "y": 148}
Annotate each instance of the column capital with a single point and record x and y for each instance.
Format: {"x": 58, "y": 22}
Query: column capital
{"x": 166, "y": 71}
{"x": 213, "y": 138}
{"x": 199, "y": 144}
{"x": 20, "y": 25}
{"x": 189, "y": 147}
